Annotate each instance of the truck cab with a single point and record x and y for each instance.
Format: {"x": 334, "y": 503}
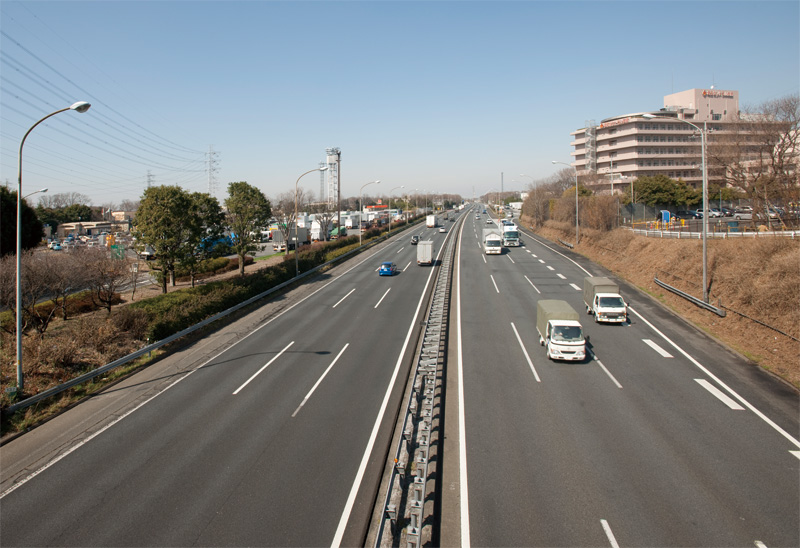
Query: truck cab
{"x": 609, "y": 307}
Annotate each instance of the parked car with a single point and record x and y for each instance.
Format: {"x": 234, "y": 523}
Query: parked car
{"x": 56, "y": 247}
{"x": 387, "y": 269}
{"x": 743, "y": 213}
{"x": 414, "y": 240}
{"x": 687, "y": 214}
{"x": 715, "y": 212}
{"x": 727, "y": 212}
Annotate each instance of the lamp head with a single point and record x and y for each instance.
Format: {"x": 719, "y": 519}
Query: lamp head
{"x": 81, "y": 106}
{"x": 324, "y": 168}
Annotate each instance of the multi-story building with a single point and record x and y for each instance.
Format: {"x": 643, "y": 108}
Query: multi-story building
{"x": 622, "y": 148}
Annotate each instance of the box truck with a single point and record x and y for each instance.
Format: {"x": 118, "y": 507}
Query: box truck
{"x": 425, "y": 252}
{"x": 602, "y": 299}
{"x": 511, "y": 235}
{"x": 560, "y": 332}
{"x": 431, "y": 221}
{"x": 492, "y": 242}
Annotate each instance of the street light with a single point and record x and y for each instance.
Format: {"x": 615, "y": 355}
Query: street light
{"x": 296, "y": 242}
{"x": 80, "y": 106}
{"x": 361, "y": 207}
{"x": 576, "y": 198}
{"x": 705, "y": 194}
{"x": 390, "y": 219}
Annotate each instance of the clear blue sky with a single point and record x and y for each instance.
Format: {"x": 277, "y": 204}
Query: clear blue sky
{"x": 442, "y": 96}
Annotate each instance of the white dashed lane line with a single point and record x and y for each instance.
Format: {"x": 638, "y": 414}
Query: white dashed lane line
{"x": 657, "y": 348}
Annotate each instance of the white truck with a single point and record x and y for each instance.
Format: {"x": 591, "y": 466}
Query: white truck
{"x": 602, "y": 299}
{"x": 431, "y": 221}
{"x": 492, "y": 242}
{"x": 560, "y": 332}
{"x": 425, "y": 252}
{"x": 511, "y": 235}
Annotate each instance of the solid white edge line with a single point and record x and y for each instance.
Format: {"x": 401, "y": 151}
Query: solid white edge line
{"x": 381, "y": 299}
{"x": 343, "y": 298}
{"x": 362, "y": 467}
{"x": 524, "y": 351}
{"x": 718, "y": 381}
{"x": 339, "y": 355}
{"x": 657, "y": 348}
{"x": 257, "y": 373}
{"x": 494, "y": 283}
{"x": 462, "y": 425}
{"x": 80, "y": 444}
{"x": 609, "y": 533}
{"x": 724, "y": 398}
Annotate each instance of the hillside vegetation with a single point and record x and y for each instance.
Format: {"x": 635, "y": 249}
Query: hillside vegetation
{"x": 759, "y": 278}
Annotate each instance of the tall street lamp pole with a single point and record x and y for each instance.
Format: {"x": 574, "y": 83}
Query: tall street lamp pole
{"x": 390, "y": 198}
{"x": 361, "y": 207}
{"x": 576, "y": 199}
{"x": 705, "y": 194}
{"x": 296, "y": 242}
{"x": 80, "y": 106}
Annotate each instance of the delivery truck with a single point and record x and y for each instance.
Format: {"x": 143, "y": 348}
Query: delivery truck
{"x": 560, "y": 332}
{"x": 425, "y": 252}
{"x": 511, "y": 235}
{"x": 492, "y": 242}
{"x": 602, "y": 299}
{"x": 431, "y": 221}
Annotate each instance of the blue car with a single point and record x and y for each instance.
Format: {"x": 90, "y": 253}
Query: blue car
{"x": 387, "y": 269}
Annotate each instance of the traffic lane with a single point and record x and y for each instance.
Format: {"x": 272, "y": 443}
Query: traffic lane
{"x": 172, "y": 437}
{"x": 582, "y": 374}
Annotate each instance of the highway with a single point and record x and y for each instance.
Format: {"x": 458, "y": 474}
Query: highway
{"x": 662, "y": 438}
{"x": 274, "y": 431}
{"x": 278, "y": 441}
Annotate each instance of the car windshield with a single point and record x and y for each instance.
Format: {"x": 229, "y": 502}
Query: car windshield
{"x": 567, "y": 333}
{"x": 612, "y": 302}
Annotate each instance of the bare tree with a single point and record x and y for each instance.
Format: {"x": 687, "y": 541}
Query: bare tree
{"x": 64, "y": 199}
{"x": 106, "y": 275}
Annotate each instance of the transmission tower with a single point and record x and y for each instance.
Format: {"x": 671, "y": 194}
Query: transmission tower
{"x": 150, "y": 179}
{"x": 212, "y": 167}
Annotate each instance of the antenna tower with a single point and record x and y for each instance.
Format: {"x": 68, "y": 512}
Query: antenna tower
{"x": 332, "y": 174}
{"x": 212, "y": 167}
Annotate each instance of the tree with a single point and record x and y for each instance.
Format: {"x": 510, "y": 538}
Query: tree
{"x": 32, "y": 230}
{"x": 204, "y": 234}
{"x": 106, "y": 275}
{"x": 163, "y": 222}
{"x": 248, "y": 212}
{"x": 64, "y": 199}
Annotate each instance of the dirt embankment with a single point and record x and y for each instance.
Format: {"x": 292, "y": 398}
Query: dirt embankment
{"x": 759, "y": 278}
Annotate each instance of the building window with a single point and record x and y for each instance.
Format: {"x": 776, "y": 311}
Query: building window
{"x": 716, "y": 116}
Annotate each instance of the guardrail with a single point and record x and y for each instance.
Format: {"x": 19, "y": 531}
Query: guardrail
{"x": 681, "y": 234}
{"x": 699, "y": 302}
{"x": 156, "y": 345}
{"x": 405, "y": 518}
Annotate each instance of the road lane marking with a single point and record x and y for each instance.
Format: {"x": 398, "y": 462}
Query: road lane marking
{"x": 724, "y": 398}
{"x": 550, "y": 267}
{"x": 462, "y": 424}
{"x": 509, "y": 258}
{"x": 362, "y": 467}
{"x": 484, "y": 259}
{"x": 609, "y": 533}
{"x": 541, "y": 261}
{"x": 795, "y": 453}
{"x": 302, "y": 403}
{"x": 257, "y": 373}
{"x": 536, "y": 288}
{"x": 409, "y": 264}
{"x": 657, "y": 348}
{"x": 575, "y": 287}
{"x": 343, "y": 298}
{"x": 744, "y": 402}
{"x": 381, "y": 299}
{"x": 561, "y": 276}
{"x": 399, "y": 250}
{"x": 493, "y": 282}
{"x": 610, "y": 376}
{"x": 524, "y": 351}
